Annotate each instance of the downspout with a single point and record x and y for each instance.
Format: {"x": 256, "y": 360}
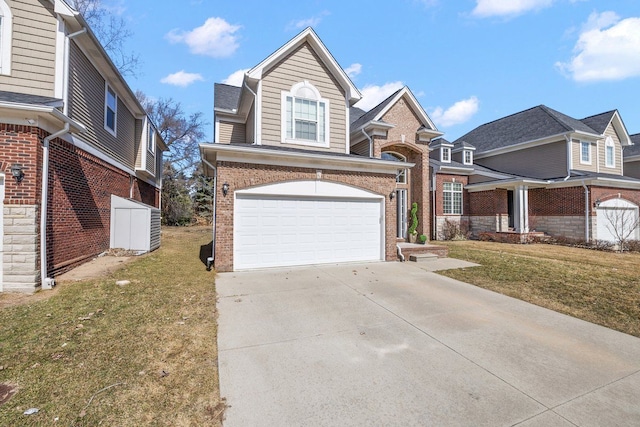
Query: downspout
{"x": 587, "y": 208}
{"x": 434, "y": 226}
{"x": 364, "y": 132}
{"x": 65, "y": 108}
{"x": 255, "y": 125}
{"x": 569, "y": 157}
{"x": 400, "y": 253}
{"x": 212, "y": 259}
{"x": 46, "y": 282}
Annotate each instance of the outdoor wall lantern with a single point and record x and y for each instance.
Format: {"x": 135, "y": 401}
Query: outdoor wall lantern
{"x": 225, "y": 188}
{"x": 597, "y": 203}
{"x": 392, "y": 195}
{"x": 17, "y": 172}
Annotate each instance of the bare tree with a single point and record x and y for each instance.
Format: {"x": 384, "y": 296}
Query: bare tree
{"x": 623, "y": 224}
{"x": 112, "y": 31}
{"x": 180, "y": 132}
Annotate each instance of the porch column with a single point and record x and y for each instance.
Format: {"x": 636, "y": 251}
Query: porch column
{"x": 521, "y": 211}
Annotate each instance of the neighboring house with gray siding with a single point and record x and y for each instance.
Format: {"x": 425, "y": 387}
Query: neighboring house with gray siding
{"x": 563, "y": 176}
{"x": 72, "y": 133}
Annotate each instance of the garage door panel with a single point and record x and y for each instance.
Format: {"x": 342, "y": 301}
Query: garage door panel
{"x": 272, "y": 231}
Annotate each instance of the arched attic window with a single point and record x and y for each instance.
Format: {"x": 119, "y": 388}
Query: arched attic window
{"x": 401, "y": 176}
{"x": 6, "y": 24}
{"x": 305, "y": 116}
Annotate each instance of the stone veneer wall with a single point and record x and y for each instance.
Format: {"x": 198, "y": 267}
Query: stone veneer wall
{"x": 20, "y": 260}
{"x": 489, "y": 223}
{"x": 566, "y": 226}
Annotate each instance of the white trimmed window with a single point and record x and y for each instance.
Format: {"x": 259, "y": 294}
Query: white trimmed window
{"x": 585, "y": 152}
{"x": 401, "y": 175}
{"x": 151, "y": 138}
{"x": 445, "y": 154}
{"x": 6, "y": 23}
{"x": 609, "y": 153}
{"x": 110, "y": 109}
{"x": 305, "y": 118}
{"x": 467, "y": 157}
{"x": 452, "y": 198}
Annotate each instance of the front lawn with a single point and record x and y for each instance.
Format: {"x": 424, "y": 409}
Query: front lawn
{"x": 97, "y": 353}
{"x": 596, "y": 286}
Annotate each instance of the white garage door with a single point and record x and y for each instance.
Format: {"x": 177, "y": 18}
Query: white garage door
{"x": 617, "y": 218}
{"x": 281, "y": 230}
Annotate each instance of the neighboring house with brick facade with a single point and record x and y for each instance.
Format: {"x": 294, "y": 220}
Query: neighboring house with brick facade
{"x": 72, "y": 134}
{"x": 561, "y": 176}
{"x": 303, "y": 177}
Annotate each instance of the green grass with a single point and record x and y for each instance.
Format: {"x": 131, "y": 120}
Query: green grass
{"x": 152, "y": 342}
{"x": 599, "y": 287}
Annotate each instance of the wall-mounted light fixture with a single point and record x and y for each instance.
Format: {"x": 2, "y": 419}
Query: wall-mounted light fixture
{"x": 225, "y": 188}
{"x": 597, "y": 203}
{"x": 17, "y": 172}
{"x": 392, "y": 195}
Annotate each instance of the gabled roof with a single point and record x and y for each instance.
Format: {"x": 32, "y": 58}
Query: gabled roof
{"x": 308, "y": 36}
{"x": 226, "y": 97}
{"x": 534, "y": 124}
{"x": 599, "y": 122}
{"x": 355, "y": 113}
{"x": 377, "y": 112}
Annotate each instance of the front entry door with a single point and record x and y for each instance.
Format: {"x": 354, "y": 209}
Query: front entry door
{"x": 401, "y": 197}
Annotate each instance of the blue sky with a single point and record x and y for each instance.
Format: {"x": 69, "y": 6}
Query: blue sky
{"x": 467, "y": 61}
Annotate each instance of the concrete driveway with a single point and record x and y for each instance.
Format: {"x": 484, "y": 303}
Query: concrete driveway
{"x": 392, "y": 344}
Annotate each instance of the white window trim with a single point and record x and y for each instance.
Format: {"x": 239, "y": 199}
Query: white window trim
{"x": 6, "y": 40}
{"x": 113, "y": 131}
{"x": 444, "y": 150}
{"x": 582, "y": 161}
{"x": 283, "y": 118}
{"x": 461, "y": 192}
{"x": 609, "y": 143}
{"x": 151, "y": 133}
{"x": 464, "y": 157}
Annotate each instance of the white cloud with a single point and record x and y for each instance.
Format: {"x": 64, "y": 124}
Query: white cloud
{"x": 373, "y": 95}
{"x": 235, "y": 78}
{"x": 216, "y": 38}
{"x": 353, "y": 70}
{"x": 508, "y": 8}
{"x": 608, "y": 49}
{"x": 182, "y": 79}
{"x": 307, "y": 22}
{"x": 458, "y": 113}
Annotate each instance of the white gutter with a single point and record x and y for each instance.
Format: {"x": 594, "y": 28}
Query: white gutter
{"x": 255, "y": 124}
{"x": 364, "y": 132}
{"x": 212, "y": 259}
{"x": 46, "y": 282}
{"x": 65, "y": 77}
{"x": 587, "y": 208}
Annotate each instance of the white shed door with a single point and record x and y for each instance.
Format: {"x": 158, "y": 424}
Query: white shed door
{"x": 277, "y": 231}
{"x": 617, "y": 218}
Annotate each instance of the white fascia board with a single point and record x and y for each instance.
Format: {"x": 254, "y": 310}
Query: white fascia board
{"x": 511, "y": 183}
{"x": 621, "y": 129}
{"x": 61, "y": 7}
{"x": 44, "y": 110}
{"x": 597, "y": 182}
{"x": 527, "y": 144}
{"x": 308, "y": 35}
{"x": 236, "y": 154}
{"x": 456, "y": 169}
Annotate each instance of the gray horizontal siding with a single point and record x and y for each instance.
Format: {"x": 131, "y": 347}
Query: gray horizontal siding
{"x": 33, "y": 57}
{"x": 544, "y": 161}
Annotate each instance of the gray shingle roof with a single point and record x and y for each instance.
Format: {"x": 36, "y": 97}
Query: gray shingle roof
{"x": 599, "y": 122}
{"x": 355, "y": 113}
{"x": 369, "y": 115}
{"x": 226, "y": 97}
{"x": 21, "y": 98}
{"x": 633, "y": 150}
{"x": 528, "y": 125}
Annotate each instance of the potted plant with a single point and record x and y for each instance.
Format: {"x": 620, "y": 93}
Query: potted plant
{"x": 413, "y": 228}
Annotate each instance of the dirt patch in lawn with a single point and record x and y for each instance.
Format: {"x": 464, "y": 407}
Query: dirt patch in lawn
{"x": 6, "y": 391}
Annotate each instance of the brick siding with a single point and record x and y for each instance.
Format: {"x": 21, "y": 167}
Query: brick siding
{"x": 241, "y": 176}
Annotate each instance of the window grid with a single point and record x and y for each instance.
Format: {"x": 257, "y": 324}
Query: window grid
{"x": 452, "y": 198}
{"x": 467, "y": 157}
{"x": 446, "y": 154}
{"x": 585, "y": 152}
{"x": 110, "y": 109}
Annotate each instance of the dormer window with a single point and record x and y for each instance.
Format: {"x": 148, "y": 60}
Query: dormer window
{"x": 467, "y": 157}
{"x": 610, "y": 153}
{"x": 445, "y": 154}
{"x": 305, "y": 116}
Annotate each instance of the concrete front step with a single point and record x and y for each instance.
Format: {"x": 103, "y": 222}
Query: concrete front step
{"x": 409, "y": 249}
{"x": 423, "y": 257}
